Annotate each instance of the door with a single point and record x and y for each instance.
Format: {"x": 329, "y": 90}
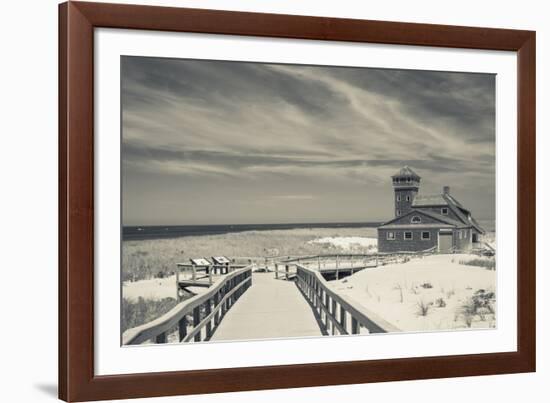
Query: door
{"x": 445, "y": 241}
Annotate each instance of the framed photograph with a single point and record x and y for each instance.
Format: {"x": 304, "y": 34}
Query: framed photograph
{"x": 256, "y": 201}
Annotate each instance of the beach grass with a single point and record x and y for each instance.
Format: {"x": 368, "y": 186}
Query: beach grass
{"x": 155, "y": 258}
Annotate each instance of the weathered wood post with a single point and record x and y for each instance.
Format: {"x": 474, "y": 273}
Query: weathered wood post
{"x": 194, "y": 274}
{"x": 208, "y": 310}
{"x": 196, "y": 321}
{"x": 161, "y": 338}
{"x": 319, "y": 262}
{"x": 327, "y": 311}
{"x": 217, "y": 314}
{"x": 182, "y": 327}
{"x": 333, "y": 312}
{"x": 286, "y": 271}
{"x": 178, "y": 283}
{"x": 276, "y": 270}
{"x": 354, "y": 326}
{"x": 210, "y": 269}
{"x": 343, "y": 319}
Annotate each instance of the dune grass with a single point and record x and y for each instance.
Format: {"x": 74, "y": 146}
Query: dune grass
{"x": 135, "y": 313}
{"x": 145, "y": 259}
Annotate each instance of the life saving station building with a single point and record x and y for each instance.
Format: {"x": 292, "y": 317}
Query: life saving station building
{"x": 424, "y": 222}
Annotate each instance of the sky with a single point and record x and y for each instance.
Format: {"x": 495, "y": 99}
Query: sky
{"x": 217, "y": 142}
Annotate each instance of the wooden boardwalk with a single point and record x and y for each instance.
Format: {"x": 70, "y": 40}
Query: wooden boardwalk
{"x": 269, "y": 309}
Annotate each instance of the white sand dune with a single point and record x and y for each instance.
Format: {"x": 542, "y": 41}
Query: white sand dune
{"x": 394, "y": 291}
{"x": 349, "y": 242}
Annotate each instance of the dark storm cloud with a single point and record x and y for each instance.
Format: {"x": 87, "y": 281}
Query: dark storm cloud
{"x": 250, "y": 124}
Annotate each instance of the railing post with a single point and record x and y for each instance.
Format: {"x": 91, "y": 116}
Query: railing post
{"x": 343, "y": 319}
{"x": 286, "y": 271}
{"x": 196, "y": 321}
{"x": 177, "y": 283}
{"x": 208, "y": 309}
{"x": 217, "y": 314}
{"x": 354, "y": 326}
{"x": 277, "y": 271}
{"x": 333, "y": 309}
{"x": 161, "y": 338}
{"x": 210, "y": 268}
{"x": 182, "y": 327}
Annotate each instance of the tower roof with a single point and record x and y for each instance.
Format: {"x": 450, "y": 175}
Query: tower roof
{"x": 406, "y": 171}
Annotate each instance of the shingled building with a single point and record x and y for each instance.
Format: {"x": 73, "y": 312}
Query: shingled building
{"x": 424, "y": 222}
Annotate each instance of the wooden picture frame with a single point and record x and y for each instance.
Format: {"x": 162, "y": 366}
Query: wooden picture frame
{"x": 77, "y": 21}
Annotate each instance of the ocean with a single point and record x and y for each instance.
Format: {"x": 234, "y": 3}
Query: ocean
{"x": 176, "y": 231}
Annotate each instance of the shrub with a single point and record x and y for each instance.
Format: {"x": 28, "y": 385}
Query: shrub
{"x": 489, "y": 264}
{"x": 484, "y": 299}
{"x": 480, "y": 304}
{"x": 440, "y": 303}
{"x": 135, "y": 313}
{"x": 423, "y": 308}
{"x": 400, "y": 289}
{"x": 426, "y": 285}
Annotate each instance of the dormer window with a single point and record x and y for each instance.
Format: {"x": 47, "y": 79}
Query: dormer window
{"x": 445, "y": 211}
{"x": 408, "y": 180}
{"x": 416, "y": 220}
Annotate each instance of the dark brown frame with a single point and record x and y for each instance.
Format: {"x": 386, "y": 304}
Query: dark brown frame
{"x": 77, "y": 21}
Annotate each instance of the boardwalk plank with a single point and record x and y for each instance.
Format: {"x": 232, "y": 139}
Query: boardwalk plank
{"x": 271, "y": 308}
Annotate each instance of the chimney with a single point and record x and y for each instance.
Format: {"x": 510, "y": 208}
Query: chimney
{"x": 446, "y": 190}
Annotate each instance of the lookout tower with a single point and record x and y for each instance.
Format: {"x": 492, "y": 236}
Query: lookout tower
{"x": 405, "y": 185}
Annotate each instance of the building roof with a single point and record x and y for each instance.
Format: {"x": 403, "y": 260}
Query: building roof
{"x": 441, "y": 217}
{"x": 445, "y": 199}
{"x": 462, "y": 213}
{"x": 429, "y": 200}
{"x": 406, "y": 171}
{"x": 444, "y": 221}
{"x": 414, "y": 226}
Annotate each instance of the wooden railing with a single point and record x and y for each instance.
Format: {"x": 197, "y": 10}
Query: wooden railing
{"x": 337, "y": 314}
{"x": 195, "y": 316}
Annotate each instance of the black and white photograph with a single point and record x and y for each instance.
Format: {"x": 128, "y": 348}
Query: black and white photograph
{"x": 265, "y": 201}
{"x": 275, "y": 201}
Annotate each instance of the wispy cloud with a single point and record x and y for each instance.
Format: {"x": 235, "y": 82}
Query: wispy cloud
{"x": 273, "y": 128}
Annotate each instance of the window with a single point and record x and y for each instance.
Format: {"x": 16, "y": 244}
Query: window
{"x": 398, "y": 197}
{"x": 408, "y": 198}
{"x": 398, "y": 212}
{"x": 416, "y": 220}
{"x": 425, "y": 235}
{"x": 390, "y": 236}
{"x": 459, "y": 234}
{"x": 408, "y": 235}
{"x": 444, "y": 211}
{"x": 408, "y": 180}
